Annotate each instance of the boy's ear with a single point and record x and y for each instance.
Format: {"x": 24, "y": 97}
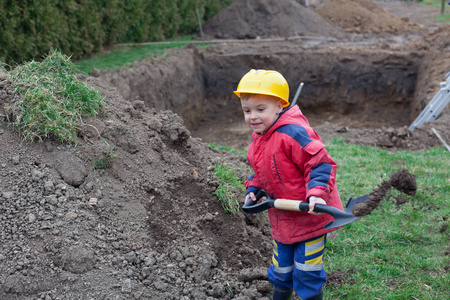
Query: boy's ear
{"x": 280, "y": 106}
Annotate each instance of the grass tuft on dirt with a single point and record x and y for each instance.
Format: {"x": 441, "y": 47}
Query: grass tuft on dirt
{"x": 229, "y": 149}
{"x": 230, "y": 188}
{"x": 52, "y": 99}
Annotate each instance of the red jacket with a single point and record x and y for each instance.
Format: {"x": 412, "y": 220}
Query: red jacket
{"x": 291, "y": 162}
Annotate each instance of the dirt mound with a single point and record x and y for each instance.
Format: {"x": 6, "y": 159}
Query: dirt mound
{"x": 268, "y": 18}
{"x": 401, "y": 180}
{"x": 146, "y": 227}
{"x": 438, "y": 39}
{"x": 361, "y": 16}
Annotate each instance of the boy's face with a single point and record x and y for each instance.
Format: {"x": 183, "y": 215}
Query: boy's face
{"x": 260, "y": 111}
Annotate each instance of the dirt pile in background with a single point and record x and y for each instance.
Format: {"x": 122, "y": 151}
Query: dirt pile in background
{"x": 401, "y": 180}
{"x": 414, "y": 11}
{"x": 435, "y": 65}
{"x": 268, "y": 18}
{"x": 362, "y": 16}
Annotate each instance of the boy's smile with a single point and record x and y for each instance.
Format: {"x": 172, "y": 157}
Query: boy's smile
{"x": 260, "y": 111}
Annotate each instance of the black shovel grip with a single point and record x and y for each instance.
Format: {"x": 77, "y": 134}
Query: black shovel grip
{"x": 333, "y": 211}
{"x": 252, "y": 207}
{"x": 261, "y": 193}
{"x": 304, "y": 206}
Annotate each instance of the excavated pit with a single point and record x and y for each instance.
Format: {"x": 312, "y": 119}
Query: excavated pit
{"x": 349, "y": 86}
{"x": 354, "y": 87}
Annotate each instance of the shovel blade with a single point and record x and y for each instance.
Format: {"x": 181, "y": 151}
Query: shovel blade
{"x": 341, "y": 221}
{"x": 353, "y": 201}
{"x": 347, "y": 217}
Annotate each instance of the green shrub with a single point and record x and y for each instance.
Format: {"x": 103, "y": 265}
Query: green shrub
{"x": 81, "y": 28}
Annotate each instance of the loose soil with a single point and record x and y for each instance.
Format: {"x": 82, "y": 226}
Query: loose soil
{"x": 361, "y": 16}
{"x": 401, "y": 180}
{"x": 149, "y": 226}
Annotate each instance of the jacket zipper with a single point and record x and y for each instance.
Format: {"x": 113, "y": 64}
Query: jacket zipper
{"x": 276, "y": 169}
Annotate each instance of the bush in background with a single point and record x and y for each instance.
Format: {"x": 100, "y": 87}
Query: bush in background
{"x": 78, "y": 28}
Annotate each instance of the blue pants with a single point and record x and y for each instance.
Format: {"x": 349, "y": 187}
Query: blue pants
{"x": 299, "y": 266}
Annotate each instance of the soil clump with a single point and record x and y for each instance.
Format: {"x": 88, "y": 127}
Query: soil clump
{"x": 339, "y": 277}
{"x": 404, "y": 181}
{"x": 401, "y": 180}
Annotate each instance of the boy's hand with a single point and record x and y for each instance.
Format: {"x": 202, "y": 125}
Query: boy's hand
{"x": 313, "y": 200}
{"x": 250, "y": 195}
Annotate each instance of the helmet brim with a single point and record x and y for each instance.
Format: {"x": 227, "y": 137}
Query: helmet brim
{"x": 285, "y": 103}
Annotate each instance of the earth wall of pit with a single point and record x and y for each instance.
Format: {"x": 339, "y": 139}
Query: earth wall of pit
{"x": 371, "y": 86}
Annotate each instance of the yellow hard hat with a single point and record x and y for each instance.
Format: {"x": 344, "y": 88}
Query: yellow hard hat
{"x": 264, "y": 82}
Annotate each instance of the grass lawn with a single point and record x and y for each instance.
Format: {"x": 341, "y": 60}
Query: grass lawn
{"x": 121, "y": 57}
{"x": 445, "y": 18}
{"x": 398, "y": 251}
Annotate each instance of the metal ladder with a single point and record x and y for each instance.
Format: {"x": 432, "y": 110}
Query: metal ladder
{"x": 436, "y": 105}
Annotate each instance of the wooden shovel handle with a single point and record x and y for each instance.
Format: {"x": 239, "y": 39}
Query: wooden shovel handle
{"x": 294, "y": 205}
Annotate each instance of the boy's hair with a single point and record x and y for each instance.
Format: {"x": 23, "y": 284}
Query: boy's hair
{"x": 246, "y": 96}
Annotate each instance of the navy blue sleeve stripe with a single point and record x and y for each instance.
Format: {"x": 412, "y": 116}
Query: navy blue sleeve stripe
{"x": 251, "y": 177}
{"x": 319, "y": 176}
{"x": 251, "y": 189}
{"x": 296, "y": 132}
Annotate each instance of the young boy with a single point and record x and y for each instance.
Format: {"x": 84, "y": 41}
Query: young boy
{"x": 290, "y": 162}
